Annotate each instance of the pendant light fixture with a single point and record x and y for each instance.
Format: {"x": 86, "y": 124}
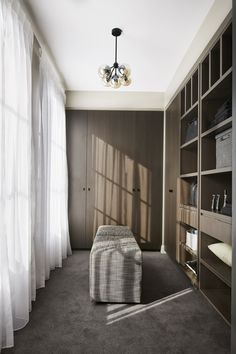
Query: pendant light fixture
{"x": 116, "y": 75}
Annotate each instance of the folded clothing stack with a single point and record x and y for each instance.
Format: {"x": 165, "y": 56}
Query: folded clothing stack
{"x": 224, "y": 112}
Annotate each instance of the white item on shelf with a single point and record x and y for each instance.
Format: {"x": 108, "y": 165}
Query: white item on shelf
{"x": 192, "y": 239}
{"x": 223, "y": 251}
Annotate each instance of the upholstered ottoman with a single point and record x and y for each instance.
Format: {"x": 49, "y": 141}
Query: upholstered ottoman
{"x": 115, "y": 266}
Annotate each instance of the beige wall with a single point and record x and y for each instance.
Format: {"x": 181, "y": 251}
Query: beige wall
{"x": 115, "y": 100}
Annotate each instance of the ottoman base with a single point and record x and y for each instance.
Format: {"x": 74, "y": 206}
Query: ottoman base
{"x": 115, "y": 266}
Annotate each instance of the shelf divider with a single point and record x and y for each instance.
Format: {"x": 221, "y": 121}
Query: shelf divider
{"x": 216, "y": 171}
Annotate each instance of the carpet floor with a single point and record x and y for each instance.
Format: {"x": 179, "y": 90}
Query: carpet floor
{"x": 172, "y": 319}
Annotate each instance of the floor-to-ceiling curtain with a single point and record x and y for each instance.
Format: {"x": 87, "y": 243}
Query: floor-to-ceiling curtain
{"x": 15, "y": 174}
{"x": 51, "y": 236}
{"x": 33, "y": 173}
{"x": 54, "y": 136}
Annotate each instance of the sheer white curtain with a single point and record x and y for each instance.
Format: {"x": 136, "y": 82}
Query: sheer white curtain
{"x": 15, "y": 174}
{"x": 33, "y": 172}
{"x": 54, "y": 136}
{"x": 51, "y": 235}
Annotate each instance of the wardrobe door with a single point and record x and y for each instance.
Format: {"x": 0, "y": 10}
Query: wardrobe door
{"x": 76, "y": 126}
{"x": 171, "y": 174}
{"x": 97, "y": 179}
{"x": 149, "y": 164}
{"x": 123, "y": 135}
{"x": 110, "y": 170}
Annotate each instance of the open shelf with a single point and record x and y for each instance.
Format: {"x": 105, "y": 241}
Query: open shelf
{"x": 190, "y": 142}
{"x": 188, "y": 216}
{"x": 216, "y": 291}
{"x": 217, "y": 269}
{"x": 191, "y": 275}
{"x": 195, "y": 87}
{"x": 212, "y": 262}
{"x": 218, "y": 128}
{"x": 205, "y": 74}
{"x": 183, "y": 229}
{"x": 182, "y": 101}
{"x": 194, "y": 106}
{"x": 189, "y": 158}
{"x": 189, "y": 250}
{"x": 217, "y": 104}
{"x": 227, "y": 49}
{"x": 215, "y": 183}
{"x": 185, "y": 257}
{"x": 215, "y": 63}
{"x": 189, "y": 125}
{"x": 188, "y": 191}
{"x": 222, "y": 78}
{"x": 216, "y": 152}
{"x": 189, "y": 95}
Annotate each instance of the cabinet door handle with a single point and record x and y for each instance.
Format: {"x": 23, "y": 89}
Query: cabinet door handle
{"x": 133, "y": 189}
{"x": 88, "y": 188}
{"x": 171, "y": 190}
{"x": 83, "y": 188}
{"x": 138, "y": 190}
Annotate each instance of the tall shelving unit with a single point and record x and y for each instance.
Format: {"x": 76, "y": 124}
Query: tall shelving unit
{"x": 202, "y": 97}
{"x": 187, "y": 215}
{"x": 215, "y": 227}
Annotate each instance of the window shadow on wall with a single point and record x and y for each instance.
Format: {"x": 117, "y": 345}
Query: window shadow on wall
{"x": 117, "y": 199}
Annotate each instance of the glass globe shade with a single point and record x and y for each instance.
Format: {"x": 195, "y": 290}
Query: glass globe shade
{"x": 115, "y": 81}
{"x": 106, "y": 80}
{"x": 125, "y": 81}
{"x": 104, "y": 70}
{"x": 124, "y": 69}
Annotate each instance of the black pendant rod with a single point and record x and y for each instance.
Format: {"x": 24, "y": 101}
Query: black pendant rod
{"x": 116, "y": 50}
{"x": 116, "y": 63}
{"x": 116, "y": 32}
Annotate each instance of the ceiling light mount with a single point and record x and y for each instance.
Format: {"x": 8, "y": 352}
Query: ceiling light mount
{"x": 116, "y": 32}
{"x": 116, "y": 75}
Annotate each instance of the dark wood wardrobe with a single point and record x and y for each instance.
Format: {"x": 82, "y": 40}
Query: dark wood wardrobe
{"x": 115, "y": 162}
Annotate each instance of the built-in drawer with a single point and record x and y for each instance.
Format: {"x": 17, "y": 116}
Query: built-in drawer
{"x": 188, "y": 215}
{"x": 216, "y": 225}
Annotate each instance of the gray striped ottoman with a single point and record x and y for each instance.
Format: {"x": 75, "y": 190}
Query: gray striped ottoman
{"x": 115, "y": 266}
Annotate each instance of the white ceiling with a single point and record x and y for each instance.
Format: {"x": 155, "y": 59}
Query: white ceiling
{"x": 156, "y": 36}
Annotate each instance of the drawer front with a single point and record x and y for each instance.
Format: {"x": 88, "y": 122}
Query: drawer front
{"x": 216, "y": 228}
{"x": 188, "y": 216}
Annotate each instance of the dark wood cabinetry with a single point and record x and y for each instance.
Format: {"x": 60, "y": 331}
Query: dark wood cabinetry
{"x": 77, "y": 171}
{"x": 115, "y": 174}
{"x": 215, "y": 173}
{"x": 205, "y": 166}
{"x": 171, "y": 174}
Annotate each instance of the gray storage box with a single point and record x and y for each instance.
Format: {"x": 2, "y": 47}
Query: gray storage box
{"x": 224, "y": 149}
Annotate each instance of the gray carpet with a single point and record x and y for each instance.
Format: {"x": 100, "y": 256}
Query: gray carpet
{"x": 64, "y": 321}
